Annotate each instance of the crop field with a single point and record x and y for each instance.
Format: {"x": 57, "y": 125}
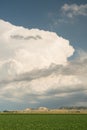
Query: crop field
{"x": 43, "y": 122}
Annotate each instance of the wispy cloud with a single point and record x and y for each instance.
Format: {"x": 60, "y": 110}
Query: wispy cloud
{"x": 74, "y": 10}
{"x": 67, "y": 14}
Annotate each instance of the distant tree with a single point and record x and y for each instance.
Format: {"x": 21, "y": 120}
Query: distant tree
{"x": 5, "y": 111}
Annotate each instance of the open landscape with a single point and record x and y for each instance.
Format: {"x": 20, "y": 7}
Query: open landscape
{"x": 43, "y": 121}
{"x": 44, "y": 118}
{"x": 45, "y": 110}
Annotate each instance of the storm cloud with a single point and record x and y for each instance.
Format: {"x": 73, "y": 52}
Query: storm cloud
{"x": 35, "y": 70}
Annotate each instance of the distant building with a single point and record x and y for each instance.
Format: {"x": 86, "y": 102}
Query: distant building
{"x": 28, "y": 109}
{"x": 43, "y": 109}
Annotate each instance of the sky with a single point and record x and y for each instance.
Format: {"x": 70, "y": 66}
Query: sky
{"x": 43, "y": 53}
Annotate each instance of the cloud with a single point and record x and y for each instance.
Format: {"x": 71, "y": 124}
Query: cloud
{"x": 35, "y": 70}
{"x": 66, "y": 14}
{"x": 74, "y": 10}
{"x": 15, "y": 49}
{"x": 20, "y": 37}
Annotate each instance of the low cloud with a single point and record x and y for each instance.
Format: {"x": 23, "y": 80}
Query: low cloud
{"x": 20, "y": 37}
{"x": 35, "y": 72}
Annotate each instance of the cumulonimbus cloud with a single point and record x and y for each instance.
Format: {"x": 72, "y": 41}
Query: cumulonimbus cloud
{"x": 34, "y": 66}
{"x": 25, "y": 49}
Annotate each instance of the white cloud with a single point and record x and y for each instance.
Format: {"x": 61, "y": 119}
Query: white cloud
{"x": 67, "y": 14}
{"x": 34, "y": 67}
{"x": 74, "y": 10}
{"x": 30, "y": 49}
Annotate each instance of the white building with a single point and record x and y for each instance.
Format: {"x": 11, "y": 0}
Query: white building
{"x": 43, "y": 109}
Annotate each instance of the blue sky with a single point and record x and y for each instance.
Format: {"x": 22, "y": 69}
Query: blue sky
{"x": 55, "y": 31}
{"x": 43, "y": 15}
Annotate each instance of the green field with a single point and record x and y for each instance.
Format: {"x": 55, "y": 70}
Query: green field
{"x": 43, "y": 122}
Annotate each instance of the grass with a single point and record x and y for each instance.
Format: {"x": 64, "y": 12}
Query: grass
{"x": 43, "y": 122}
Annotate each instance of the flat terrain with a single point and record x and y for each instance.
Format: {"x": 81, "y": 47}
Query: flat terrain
{"x": 43, "y": 122}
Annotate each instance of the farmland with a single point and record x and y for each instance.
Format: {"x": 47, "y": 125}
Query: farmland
{"x": 43, "y": 121}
